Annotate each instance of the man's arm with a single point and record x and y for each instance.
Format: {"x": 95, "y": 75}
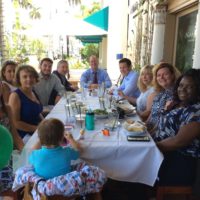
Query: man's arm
{"x": 108, "y": 82}
{"x": 58, "y": 86}
{"x": 131, "y": 85}
{"x": 84, "y": 79}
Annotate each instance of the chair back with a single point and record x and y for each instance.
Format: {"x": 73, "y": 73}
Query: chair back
{"x": 196, "y": 186}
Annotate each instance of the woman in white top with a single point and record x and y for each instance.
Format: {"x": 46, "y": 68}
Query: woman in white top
{"x": 7, "y": 76}
{"x": 144, "y": 101}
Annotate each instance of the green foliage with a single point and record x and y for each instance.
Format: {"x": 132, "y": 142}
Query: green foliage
{"x": 79, "y": 65}
{"x": 18, "y": 45}
{"x": 137, "y": 67}
{"x": 88, "y": 50}
{"x": 27, "y": 5}
{"x": 87, "y": 11}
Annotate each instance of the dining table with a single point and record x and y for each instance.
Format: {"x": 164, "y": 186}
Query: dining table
{"x": 122, "y": 160}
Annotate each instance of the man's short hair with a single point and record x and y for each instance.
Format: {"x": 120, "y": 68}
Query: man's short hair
{"x": 127, "y": 61}
{"x": 46, "y": 59}
{"x": 61, "y": 62}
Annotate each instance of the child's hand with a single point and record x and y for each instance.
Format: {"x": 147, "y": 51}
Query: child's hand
{"x": 68, "y": 136}
{"x": 71, "y": 140}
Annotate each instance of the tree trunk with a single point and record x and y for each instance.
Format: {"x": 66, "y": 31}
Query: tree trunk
{"x": 2, "y": 35}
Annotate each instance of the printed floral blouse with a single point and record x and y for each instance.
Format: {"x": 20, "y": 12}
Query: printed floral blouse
{"x": 171, "y": 122}
{"x": 158, "y": 105}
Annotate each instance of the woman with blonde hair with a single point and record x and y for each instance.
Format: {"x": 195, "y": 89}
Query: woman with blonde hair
{"x": 145, "y": 100}
{"x": 164, "y": 78}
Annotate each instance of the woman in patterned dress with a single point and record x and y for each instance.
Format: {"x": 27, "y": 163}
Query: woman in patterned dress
{"x": 6, "y": 174}
{"x": 178, "y": 134}
{"x": 164, "y": 78}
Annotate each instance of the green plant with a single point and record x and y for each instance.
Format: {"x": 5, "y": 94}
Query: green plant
{"x": 78, "y": 65}
{"x": 88, "y": 50}
{"x": 137, "y": 67}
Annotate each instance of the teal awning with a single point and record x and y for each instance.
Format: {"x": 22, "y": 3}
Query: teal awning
{"x": 99, "y": 19}
{"x": 90, "y": 39}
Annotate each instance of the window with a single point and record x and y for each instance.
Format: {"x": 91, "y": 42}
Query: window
{"x": 185, "y": 40}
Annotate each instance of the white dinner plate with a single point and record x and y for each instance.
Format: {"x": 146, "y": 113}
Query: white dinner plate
{"x": 133, "y": 133}
{"x": 101, "y": 116}
{"x": 130, "y": 114}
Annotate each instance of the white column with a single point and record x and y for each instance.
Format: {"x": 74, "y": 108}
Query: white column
{"x": 158, "y": 35}
{"x": 196, "y": 61}
{"x": 117, "y": 35}
{"x": 144, "y": 36}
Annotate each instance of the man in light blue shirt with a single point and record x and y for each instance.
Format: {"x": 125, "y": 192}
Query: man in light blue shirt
{"x": 94, "y": 76}
{"x": 129, "y": 83}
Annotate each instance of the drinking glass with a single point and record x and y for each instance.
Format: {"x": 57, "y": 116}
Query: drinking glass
{"x": 102, "y": 103}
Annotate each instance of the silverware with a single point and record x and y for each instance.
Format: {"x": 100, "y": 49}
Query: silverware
{"x": 80, "y": 116}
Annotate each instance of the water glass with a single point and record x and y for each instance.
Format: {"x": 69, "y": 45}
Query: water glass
{"x": 101, "y": 90}
{"x": 102, "y": 103}
{"x": 83, "y": 93}
{"x": 68, "y": 111}
{"x": 80, "y": 120}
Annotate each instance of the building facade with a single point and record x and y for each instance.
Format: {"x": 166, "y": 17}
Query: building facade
{"x": 165, "y": 30}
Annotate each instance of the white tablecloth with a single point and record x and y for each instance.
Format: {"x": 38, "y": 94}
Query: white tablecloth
{"x": 121, "y": 160}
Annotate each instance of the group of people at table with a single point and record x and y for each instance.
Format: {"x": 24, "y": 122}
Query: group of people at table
{"x": 168, "y": 103}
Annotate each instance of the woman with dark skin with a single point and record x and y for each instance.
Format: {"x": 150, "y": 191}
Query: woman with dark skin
{"x": 178, "y": 135}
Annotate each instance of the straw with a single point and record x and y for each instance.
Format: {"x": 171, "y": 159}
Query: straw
{"x": 103, "y": 102}
{"x": 110, "y": 100}
{"x": 68, "y": 107}
{"x": 76, "y": 107}
{"x": 80, "y": 116}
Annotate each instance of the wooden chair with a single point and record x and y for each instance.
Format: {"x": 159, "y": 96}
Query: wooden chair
{"x": 189, "y": 192}
{"x": 185, "y": 191}
{"x": 10, "y": 194}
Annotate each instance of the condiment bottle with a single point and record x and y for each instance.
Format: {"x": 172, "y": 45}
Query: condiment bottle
{"x": 89, "y": 120}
